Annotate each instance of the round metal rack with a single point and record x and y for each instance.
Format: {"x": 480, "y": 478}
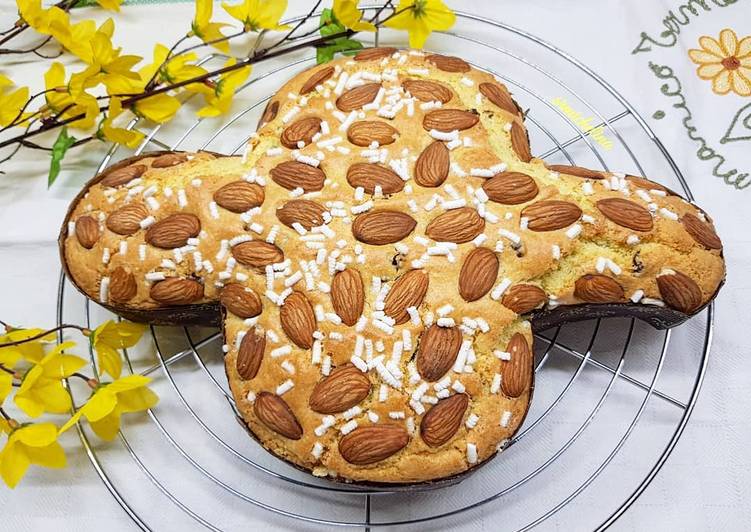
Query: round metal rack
{"x": 612, "y": 396}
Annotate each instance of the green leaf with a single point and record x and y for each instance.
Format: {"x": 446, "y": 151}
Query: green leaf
{"x": 61, "y": 145}
{"x": 331, "y": 26}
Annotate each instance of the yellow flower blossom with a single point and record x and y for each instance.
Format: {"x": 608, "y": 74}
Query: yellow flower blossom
{"x": 70, "y": 96}
{"x": 33, "y": 351}
{"x": 110, "y": 401}
{"x": 11, "y": 103}
{"x": 258, "y": 14}
{"x": 726, "y": 61}
{"x": 347, "y": 13}
{"x": 6, "y": 385}
{"x": 119, "y": 135}
{"x": 41, "y": 388}
{"x": 111, "y": 336}
{"x": 179, "y": 68}
{"x": 219, "y": 101}
{"x": 158, "y": 108}
{"x": 204, "y": 29}
{"x": 26, "y": 445}
{"x": 420, "y": 18}
{"x": 113, "y": 5}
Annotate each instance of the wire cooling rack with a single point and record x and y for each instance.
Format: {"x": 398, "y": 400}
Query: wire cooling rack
{"x": 612, "y": 396}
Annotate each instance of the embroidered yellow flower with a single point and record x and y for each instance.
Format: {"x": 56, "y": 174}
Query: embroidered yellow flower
{"x": 204, "y": 29}
{"x": 347, "y": 13}
{"x": 420, "y": 18}
{"x": 110, "y": 401}
{"x": 32, "y": 351}
{"x": 111, "y": 336}
{"x": 26, "y": 445}
{"x": 726, "y": 61}
{"x": 41, "y": 387}
{"x": 258, "y": 15}
{"x": 219, "y": 101}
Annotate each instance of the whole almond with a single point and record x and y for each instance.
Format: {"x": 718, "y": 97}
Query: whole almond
{"x": 437, "y": 351}
{"x": 355, "y": 98}
{"x": 275, "y": 413}
{"x": 301, "y": 130}
{"x": 250, "y": 354}
{"x": 517, "y": 372}
{"x": 174, "y": 231}
{"x": 679, "y": 291}
{"x": 380, "y": 227}
{"x": 456, "y": 225}
{"x": 598, "y": 289}
{"x": 365, "y": 132}
{"x": 241, "y": 301}
{"x": 239, "y": 196}
{"x": 318, "y": 78}
{"x": 124, "y": 175}
{"x": 176, "y": 291}
{"x": 294, "y": 174}
{"x": 127, "y": 219}
{"x": 520, "y": 142}
{"x": 343, "y": 389}
{"x": 498, "y": 94}
{"x": 626, "y": 213}
{"x": 577, "y": 171}
{"x": 432, "y": 166}
{"x": 407, "y": 291}
{"x": 523, "y": 298}
{"x": 442, "y": 421}
{"x": 298, "y": 319}
{"x": 510, "y": 188}
{"x": 447, "y": 120}
{"x": 269, "y": 113}
{"x": 700, "y": 231}
{"x": 307, "y": 213}
{"x": 478, "y": 273}
{"x": 428, "y": 91}
{"x": 87, "y": 231}
{"x": 640, "y": 182}
{"x": 370, "y": 175}
{"x": 122, "y": 285}
{"x": 371, "y": 444}
{"x": 448, "y": 63}
{"x": 169, "y": 159}
{"x": 257, "y": 254}
{"x": 348, "y": 295}
{"x": 551, "y": 215}
{"x": 372, "y": 54}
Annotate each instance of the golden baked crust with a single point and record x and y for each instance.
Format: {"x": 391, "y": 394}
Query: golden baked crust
{"x": 415, "y": 259}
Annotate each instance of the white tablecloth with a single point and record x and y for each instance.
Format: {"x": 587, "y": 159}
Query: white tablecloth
{"x": 705, "y": 484}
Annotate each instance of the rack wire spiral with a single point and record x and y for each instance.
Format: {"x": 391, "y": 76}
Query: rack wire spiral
{"x": 599, "y": 429}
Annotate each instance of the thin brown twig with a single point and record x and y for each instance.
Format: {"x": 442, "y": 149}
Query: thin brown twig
{"x": 5, "y": 414}
{"x": 45, "y": 333}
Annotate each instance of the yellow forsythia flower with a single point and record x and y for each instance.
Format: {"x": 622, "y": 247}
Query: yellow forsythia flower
{"x": 111, "y": 336}
{"x": 420, "y": 18}
{"x": 41, "y": 388}
{"x": 71, "y": 96}
{"x": 32, "y": 351}
{"x": 113, "y": 5}
{"x": 26, "y": 445}
{"x": 347, "y": 13}
{"x": 220, "y": 100}
{"x": 258, "y": 14}
{"x": 110, "y": 401}
{"x": 158, "y": 108}
{"x": 11, "y": 103}
{"x": 119, "y": 135}
{"x": 204, "y": 29}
